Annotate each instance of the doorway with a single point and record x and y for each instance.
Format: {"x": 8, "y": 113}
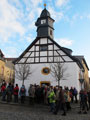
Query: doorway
{"x": 45, "y": 83}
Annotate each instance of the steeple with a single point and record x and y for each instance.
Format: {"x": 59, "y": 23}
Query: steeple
{"x": 45, "y": 24}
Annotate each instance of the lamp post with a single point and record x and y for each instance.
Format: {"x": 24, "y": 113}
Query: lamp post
{"x": 81, "y": 79}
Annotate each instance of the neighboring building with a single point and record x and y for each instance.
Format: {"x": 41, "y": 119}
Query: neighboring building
{"x": 6, "y": 68}
{"x": 2, "y": 66}
{"x": 85, "y": 73}
{"x": 43, "y": 52}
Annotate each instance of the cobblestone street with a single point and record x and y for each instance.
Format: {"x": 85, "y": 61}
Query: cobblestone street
{"x": 37, "y": 112}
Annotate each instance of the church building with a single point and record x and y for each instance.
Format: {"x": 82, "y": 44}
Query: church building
{"x": 43, "y": 53}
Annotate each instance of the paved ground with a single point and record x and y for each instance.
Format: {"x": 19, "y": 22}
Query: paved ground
{"x": 37, "y": 112}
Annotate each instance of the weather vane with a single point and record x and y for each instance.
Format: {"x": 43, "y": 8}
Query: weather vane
{"x": 44, "y": 4}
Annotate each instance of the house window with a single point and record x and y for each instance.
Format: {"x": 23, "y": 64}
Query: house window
{"x": 50, "y": 32}
{"x": 43, "y": 48}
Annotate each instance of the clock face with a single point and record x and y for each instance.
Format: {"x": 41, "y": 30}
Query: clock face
{"x": 43, "y": 21}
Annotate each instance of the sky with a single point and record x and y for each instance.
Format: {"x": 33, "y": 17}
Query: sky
{"x": 72, "y": 25}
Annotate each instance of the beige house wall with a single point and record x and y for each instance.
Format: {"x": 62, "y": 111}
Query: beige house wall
{"x": 6, "y": 73}
{"x": 86, "y": 76}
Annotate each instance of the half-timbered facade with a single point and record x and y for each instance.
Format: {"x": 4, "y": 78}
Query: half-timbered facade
{"x": 43, "y": 52}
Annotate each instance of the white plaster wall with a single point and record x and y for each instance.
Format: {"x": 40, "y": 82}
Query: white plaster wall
{"x": 37, "y": 76}
{"x": 43, "y": 41}
{"x": 73, "y": 76}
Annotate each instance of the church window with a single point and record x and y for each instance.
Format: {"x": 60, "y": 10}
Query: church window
{"x": 45, "y": 71}
{"x": 50, "y": 32}
{"x": 43, "y": 48}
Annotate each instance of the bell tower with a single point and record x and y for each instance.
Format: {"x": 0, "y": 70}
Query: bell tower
{"x": 45, "y": 24}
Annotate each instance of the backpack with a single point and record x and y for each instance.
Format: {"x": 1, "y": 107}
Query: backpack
{"x": 22, "y": 90}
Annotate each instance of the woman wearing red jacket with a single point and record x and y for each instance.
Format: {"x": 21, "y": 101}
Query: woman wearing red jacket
{"x": 16, "y": 90}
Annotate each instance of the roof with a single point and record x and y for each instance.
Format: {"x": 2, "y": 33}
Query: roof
{"x": 9, "y": 62}
{"x": 68, "y": 50}
{"x": 25, "y": 51}
{"x": 10, "y": 59}
{"x": 1, "y": 53}
{"x": 45, "y": 13}
{"x": 1, "y": 56}
{"x": 80, "y": 58}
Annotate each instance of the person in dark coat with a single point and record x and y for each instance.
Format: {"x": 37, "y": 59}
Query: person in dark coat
{"x": 83, "y": 102}
{"x": 16, "y": 90}
{"x": 31, "y": 92}
{"x": 89, "y": 98}
{"x": 22, "y": 93}
{"x": 3, "y": 91}
{"x": 72, "y": 94}
{"x": 60, "y": 103}
{"x": 9, "y": 91}
{"x": 38, "y": 94}
{"x": 75, "y": 93}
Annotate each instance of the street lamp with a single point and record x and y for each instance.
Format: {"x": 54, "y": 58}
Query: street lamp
{"x": 81, "y": 79}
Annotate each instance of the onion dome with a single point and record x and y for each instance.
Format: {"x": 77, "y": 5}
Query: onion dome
{"x": 45, "y": 13}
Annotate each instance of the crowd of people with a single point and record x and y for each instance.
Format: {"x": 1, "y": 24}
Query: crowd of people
{"x": 57, "y": 98}
{"x": 8, "y": 91}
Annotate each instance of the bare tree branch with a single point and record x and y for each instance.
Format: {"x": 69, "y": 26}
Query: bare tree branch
{"x": 58, "y": 70}
{"x": 23, "y": 71}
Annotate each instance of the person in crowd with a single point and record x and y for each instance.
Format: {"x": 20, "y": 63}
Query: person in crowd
{"x": 48, "y": 93}
{"x": 57, "y": 94}
{"x": 3, "y": 82}
{"x": 12, "y": 85}
{"x": 9, "y": 91}
{"x": 89, "y": 98}
{"x": 71, "y": 93}
{"x": 3, "y": 91}
{"x": 55, "y": 90}
{"x": 75, "y": 93}
{"x": 61, "y": 102}
{"x": 42, "y": 93}
{"x": 31, "y": 92}
{"x": 22, "y": 93}
{"x": 83, "y": 102}
{"x": 67, "y": 99}
{"x": 38, "y": 94}
{"x": 52, "y": 100}
{"x": 45, "y": 94}
{"x": 15, "y": 92}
